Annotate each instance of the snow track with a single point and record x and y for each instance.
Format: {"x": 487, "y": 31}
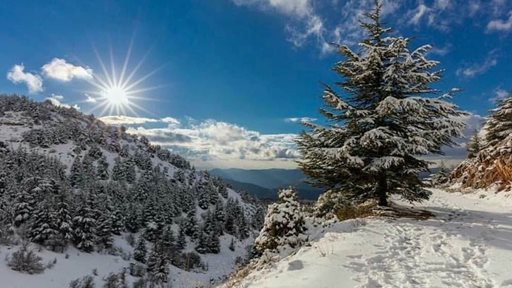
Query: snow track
{"x": 467, "y": 244}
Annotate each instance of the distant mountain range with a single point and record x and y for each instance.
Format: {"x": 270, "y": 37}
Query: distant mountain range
{"x": 264, "y": 183}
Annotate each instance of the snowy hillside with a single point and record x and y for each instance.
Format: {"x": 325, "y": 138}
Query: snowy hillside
{"x": 467, "y": 244}
{"x": 94, "y": 201}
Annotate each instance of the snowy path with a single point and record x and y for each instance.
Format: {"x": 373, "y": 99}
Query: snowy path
{"x": 467, "y": 244}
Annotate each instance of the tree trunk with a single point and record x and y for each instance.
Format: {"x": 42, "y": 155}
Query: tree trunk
{"x": 382, "y": 189}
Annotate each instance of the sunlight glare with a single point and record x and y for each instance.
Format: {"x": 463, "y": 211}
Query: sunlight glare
{"x": 118, "y": 93}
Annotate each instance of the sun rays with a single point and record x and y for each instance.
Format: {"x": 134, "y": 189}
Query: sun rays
{"x": 119, "y": 91}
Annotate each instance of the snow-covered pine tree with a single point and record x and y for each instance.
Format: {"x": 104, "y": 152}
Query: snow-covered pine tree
{"x": 384, "y": 122}
{"x": 75, "y": 174}
{"x": 474, "y": 146}
{"x": 118, "y": 174}
{"x": 140, "y": 251}
{"x": 42, "y": 228}
{"x": 63, "y": 222}
{"x": 168, "y": 242}
{"x": 158, "y": 266}
{"x": 102, "y": 168}
{"x": 213, "y": 243}
{"x": 84, "y": 225}
{"x": 499, "y": 124}
{"x": 284, "y": 224}
{"x": 117, "y": 222}
{"x": 181, "y": 242}
{"x": 190, "y": 226}
{"x": 219, "y": 216}
{"x": 202, "y": 245}
{"x": 23, "y": 206}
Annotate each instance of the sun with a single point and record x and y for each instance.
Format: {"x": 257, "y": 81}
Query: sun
{"x": 116, "y": 96}
{"x": 118, "y": 91}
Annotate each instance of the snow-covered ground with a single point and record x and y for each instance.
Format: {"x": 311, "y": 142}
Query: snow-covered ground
{"x": 75, "y": 264}
{"x": 467, "y": 244}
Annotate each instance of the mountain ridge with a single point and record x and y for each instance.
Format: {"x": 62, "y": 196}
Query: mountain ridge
{"x": 112, "y": 186}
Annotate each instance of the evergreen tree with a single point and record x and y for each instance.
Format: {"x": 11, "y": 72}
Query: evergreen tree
{"x": 118, "y": 171}
{"x": 117, "y": 222}
{"x": 158, "y": 266}
{"x": 383, "y": 124}
{"x": 23, "y": 206}
{"x": 474, "y": 146}
{"x": 202, "y": 245}
{"x": 284, "y": 223}
{"x": 75, "y": 174}
{"x": 42, "y": 228}
{"x": 190, "y": 225}
{"x": 230, "y": 219}
{"x": 102, "y": 168}
{"x": 104, "y": 231}
{"x": 499, "y": 124}
{"x": 140, "y": 251}
{"x": 203, "y": 196}
{"x": 213, "y": 243}
{"x": 168, "y": 242}
{"x": 88, "y": 171}
{"x": 63, "y": 221}
{"x": 152, "y": 231}
{"x": 232, "y": 244}
{"x": 181, "y": 242}
{"x": 220, "y": 216}
{"x": 84, "y": 226}
{"x": 129, "y": 171}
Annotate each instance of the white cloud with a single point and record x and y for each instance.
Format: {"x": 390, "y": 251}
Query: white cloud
{"x": 57, "y": 101}
{"x": 299, "y": 119}
{"x": 419, "y": 13}
{"x": 442, "y": 51}
{"x": 212, "y": 141}
{"x": 500, "y": 25}
{"x": 33, "y": 81}
{"x": 500, "y": 94}
{"x": 478, "y": 68}
{"x": 170, "y": 120}
{"x": 61, "y": 70}
{"x": 304, "y": 21}
{"x": 90, "y": 99}
{"x": 300, "y": 8}
{"x": 308, "y": 20}
{"x": 126, "y": 120}
{"x": 442, "y": 4}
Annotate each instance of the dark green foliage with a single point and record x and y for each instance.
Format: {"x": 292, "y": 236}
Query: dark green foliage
{"x": 387, "y": 116}
{"x": 140, "y": 251}
{"x": 232, "y": 244}
{"x": 474, "y": 146}
{"x": 84, "y": 225}
{"x": 158, "y": 265}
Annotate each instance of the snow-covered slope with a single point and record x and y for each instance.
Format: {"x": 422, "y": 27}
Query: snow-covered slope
{"x": 112, "y": 186}
{"x": 467, "y": 244}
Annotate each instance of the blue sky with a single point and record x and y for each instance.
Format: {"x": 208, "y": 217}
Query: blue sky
{"x": 229, "y": 79}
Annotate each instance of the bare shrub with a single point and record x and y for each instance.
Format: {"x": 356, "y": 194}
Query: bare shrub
{"x": 26, "y": 260}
